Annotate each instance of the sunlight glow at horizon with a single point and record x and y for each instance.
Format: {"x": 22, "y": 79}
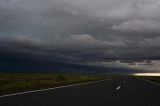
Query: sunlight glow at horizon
{"x": 146, "y": 74}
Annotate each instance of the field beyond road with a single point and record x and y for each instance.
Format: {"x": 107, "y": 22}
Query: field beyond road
{"x": 14, "y": 82}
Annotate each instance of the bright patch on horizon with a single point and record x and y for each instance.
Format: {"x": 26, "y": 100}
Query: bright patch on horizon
{"x": 147, "y": 74}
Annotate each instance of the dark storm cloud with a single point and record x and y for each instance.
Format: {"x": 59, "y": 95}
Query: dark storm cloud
{"x": 81, "y": 30}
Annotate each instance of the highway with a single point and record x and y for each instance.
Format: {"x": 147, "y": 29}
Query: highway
{"x": 126, "y": 91}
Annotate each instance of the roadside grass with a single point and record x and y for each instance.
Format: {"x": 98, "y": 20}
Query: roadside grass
{"x": 14, "y": 82}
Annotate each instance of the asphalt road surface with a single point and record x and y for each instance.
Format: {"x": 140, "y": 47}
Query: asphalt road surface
{"x": 127, "y": 91}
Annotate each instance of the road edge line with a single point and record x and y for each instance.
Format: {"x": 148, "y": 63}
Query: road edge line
{"x": 155, "y": 83}
{"x": 47, "y": 89}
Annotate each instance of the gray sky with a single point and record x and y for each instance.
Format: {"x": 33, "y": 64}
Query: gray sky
{"x": 81, "y": 30}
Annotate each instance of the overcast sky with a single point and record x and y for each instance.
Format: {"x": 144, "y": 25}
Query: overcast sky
{"x": 80, "y": 30}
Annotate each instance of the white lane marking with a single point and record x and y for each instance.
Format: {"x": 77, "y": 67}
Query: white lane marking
{"x": 118, "y": 87}
{"x": 49, "y": 89}
{"x": 124, "y": 81}
{"x": 150, "y": 81}
{"x": 27, "y": 92}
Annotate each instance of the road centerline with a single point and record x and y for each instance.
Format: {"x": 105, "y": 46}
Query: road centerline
{"x": 117, "y": 88}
